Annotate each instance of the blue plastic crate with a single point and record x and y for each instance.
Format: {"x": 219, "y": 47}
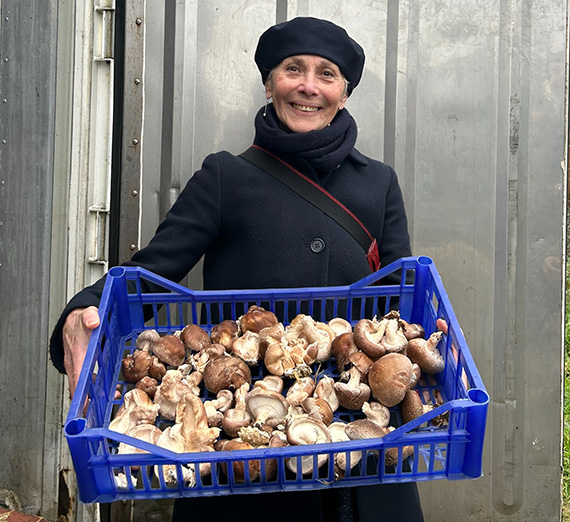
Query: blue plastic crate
{"x": 452, "y": 451}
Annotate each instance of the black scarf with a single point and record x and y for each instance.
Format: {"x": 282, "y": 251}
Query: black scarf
{"x": 320, "y": 151}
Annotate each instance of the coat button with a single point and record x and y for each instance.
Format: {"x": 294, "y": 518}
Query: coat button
{"x": 317, "y": 245}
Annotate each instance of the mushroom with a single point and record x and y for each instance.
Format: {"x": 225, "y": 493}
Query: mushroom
{"x": 146, "y": 339}
{"x": 266, "y": 406}
{"x": 389, "y": 378}
{"x": 412, "y": 330}
{"x": 215, "y": 408}
{"x": 145, "y": 432}
{"x": 157, "y": 370}
{"x": 225, "y": 333}
{"x": 377, "y": 413}
{"x": 254, "y": 436}
{"x": 353, "y": 394}
{"x": 278, "y": 440}
{"x": 256, "y": 319}
{"x": 338, "y": 434}
{"x": 270, "y": 382}
{"x": 304, "y": 429}
{"x": 339, "y": 326}
{"x": 425, "y": 353}
{"x": 170, "y": 350}
{"x": 135, "y": 366}
{"x": 366, "y": 429}
{"x": 200, "y": 359}
{"x": 170, "y": 392}
{"x": 238, "y": 416}
{"x": 368, "y": 335}
{"x": 189, "y": 433}
{"x": 361, "y": 361}
{"x": 194, "y": 337}
{"x": 137, "y": 408}
{"x": 239, "y": 466}
{"x": 193, "y": 380}
{"x": 325, "y": 390}
{"x": 226, "y": 371}
{"x": 277, "y": 360}
{"x": 148, "y": 384}
{"x": 319, "y": 409}
{"x": 268, "y": 336}
{"x": 315, "y": 332}
{"x": 246, "y": 347}
{"x": 343, "y": 346}
{"x": 394, "y": 340}
{"x": 300, "y": 390}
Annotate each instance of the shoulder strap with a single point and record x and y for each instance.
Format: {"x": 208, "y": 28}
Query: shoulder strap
{"x": 318, "y": 196}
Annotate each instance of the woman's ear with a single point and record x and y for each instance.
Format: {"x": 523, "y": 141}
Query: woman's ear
{"x": 268, "y": 90}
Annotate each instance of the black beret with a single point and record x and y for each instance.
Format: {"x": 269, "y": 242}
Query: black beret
{"x": 307, "y": 35}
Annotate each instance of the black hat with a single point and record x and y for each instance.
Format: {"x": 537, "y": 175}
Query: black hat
{"x": 307, "y": 35}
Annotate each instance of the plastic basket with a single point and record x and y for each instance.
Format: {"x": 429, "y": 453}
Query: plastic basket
{"x": 452, "y": 451}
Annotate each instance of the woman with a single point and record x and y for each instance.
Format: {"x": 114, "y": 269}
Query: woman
{"x": 257, "y": 233}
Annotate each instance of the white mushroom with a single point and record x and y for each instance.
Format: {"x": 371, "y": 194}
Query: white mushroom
{"x": 137, "y": 408}
{"x": 169, "y": 393}
{"x": 304, "y": 429}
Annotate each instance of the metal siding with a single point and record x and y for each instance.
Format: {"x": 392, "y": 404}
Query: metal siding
{"x": 27, "y": 93}
{"x": 466, "y": 99}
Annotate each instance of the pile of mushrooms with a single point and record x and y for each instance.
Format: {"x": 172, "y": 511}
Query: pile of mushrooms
{"x": 200, "y": 386}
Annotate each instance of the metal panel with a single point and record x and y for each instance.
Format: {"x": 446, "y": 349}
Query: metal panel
{"x": 27, "y": 105}
{"x": 466, "y": 100}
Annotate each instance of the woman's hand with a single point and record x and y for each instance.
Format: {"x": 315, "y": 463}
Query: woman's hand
{"x": 77, "y": 331}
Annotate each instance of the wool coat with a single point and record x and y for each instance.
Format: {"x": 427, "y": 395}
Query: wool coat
{"x": 255, "y": 232}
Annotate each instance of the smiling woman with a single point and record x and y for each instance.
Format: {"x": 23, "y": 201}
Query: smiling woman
{"x": 254, "y": 232}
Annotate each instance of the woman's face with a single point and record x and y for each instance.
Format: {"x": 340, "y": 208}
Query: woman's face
{"x": 307, "y": 92}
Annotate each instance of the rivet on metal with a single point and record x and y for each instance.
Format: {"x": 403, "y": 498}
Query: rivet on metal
{"x": 137, "y": 81}
{"x": 135, "y": 142}
{"x": 6, "y": 19}
{"x": 5, "y": 59}
{"x": 4, "y": 100}
{"x": 138, "y": 21}
{"x": 3, "y": 142}
{"x": 134, "y": 193}
{"x": 133, "y": 246}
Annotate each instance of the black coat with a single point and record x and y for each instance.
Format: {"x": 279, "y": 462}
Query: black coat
{"x": 257, "y": 233}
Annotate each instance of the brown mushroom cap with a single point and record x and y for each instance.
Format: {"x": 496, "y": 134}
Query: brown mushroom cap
{"x": 353, "y": 394}
{"x": 411, "y": 406}
{"x": 343, "y": 347}
{"x": 389, "y": 378}
{"x": 364, "y": 429}
{"x": 425, "y": 353}
{"x": 148, "y": 384}
{"x": 368, "y": 335}
{"x": 135, "y": 365}
{"x": 319, "y": 409}
{"x": 157, "y": 368}
{"x": 256, "y": 319}
{"x": 225, "y": 333}
{"x": 226, "y": 371}
{"x": 412, "y": 330}
{"x": 194, "y": 337}
{"x": 239, "y": 466}
{"x": 170, "y": 350}
{"x": 246, "y": 347}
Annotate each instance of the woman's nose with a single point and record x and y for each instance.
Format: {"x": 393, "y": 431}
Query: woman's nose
{"x": 309, "y": 85}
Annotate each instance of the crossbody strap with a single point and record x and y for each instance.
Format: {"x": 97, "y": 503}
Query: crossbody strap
{"x": 318, "y": 196}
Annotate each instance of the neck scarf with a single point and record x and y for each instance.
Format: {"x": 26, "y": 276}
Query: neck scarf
{"x": 321, "y": 151}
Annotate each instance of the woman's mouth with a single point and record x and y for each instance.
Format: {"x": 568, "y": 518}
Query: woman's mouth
{"x": 304, "y": 108}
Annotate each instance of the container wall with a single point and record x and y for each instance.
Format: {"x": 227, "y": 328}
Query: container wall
{"x": 466, "y": 101}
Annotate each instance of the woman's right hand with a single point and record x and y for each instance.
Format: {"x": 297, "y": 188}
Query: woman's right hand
{"x": 77, "y": 331}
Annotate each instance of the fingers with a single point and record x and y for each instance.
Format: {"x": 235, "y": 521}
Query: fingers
{"x": 77, "y": 331}
{"x": 441, "y": 325}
